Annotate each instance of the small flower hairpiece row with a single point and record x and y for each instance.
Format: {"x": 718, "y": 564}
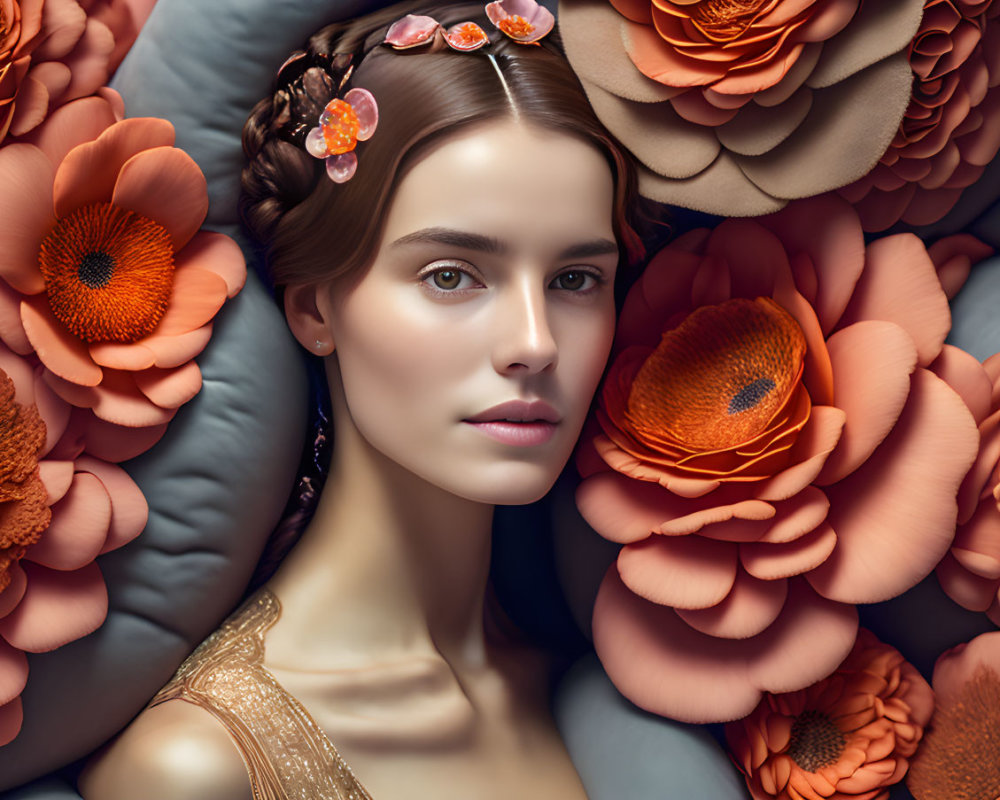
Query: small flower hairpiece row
{"x": 524, "y": 21}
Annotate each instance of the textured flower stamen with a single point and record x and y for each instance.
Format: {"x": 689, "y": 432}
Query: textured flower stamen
{"x": 467, "y": 36}
{"x": 340, "y": 125}
{"x": 23, "y": 510}
{"x": 816, "y": 741}
{"x": 517, "y": 27}
{"x": 725, "y": 20}
{"x": 108, "y": 273}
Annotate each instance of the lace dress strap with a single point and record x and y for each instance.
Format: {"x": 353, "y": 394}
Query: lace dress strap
{"x": 287, "y": 755}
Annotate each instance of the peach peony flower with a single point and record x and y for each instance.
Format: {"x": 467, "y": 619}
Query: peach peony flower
{"x": 958, "y": 757}
{"x": 951, "y": 129}
{"x": 970, "y": 573}
{"x": 59, "y": 510}
{"x": 735, "y": 108}
{"x": 847, "y": 737}
{"x": 55, "y": 51}
{"x": 769, "y": 446}
{"x": 116, "y": 288}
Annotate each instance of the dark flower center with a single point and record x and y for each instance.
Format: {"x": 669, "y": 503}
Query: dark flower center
{"x": 750, "y": 395}
{"x": 96, "y": 269}
{"x": 816, "y": 741}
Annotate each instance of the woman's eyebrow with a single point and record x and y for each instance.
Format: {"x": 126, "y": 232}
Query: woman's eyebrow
{"x": 595, "y": 247}
{"x": 453, "y": 238}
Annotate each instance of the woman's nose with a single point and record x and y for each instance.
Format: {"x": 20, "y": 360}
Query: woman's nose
{"x": 524, "y": 339}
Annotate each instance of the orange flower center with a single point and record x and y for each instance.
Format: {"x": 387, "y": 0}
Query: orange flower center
{"x": 725, "y": 20}
{"x": 23, "y": 510}
{"x": 108, "y": 273}
{"x": 816, "y": 742}
{"x": 516, "y": 26}
{"x": 340, "y": 125}
{"x": 468, "y": 34}
{"x": 957, "y": 759}
{"x": 720, "y": 377}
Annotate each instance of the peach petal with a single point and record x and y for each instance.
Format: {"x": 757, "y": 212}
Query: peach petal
{"x": 872, "y": 363}
{"x": 107, "y": 441}
{"x": 173, "y": 351}
{"x": 70, "y": 125}
{"x": 664, "y": 666}
{"x": 797, "y": 516}
{"x": 11, "y": 596}
{"x": 165, "y": 185}
{"x": 692, "y": 106}
{"x": 121, "y": 356}
{"x": 58, "y": 607}
{"x": 63, "y": 24}
{"x": 90, "y": 60}
{"x": 22, "y": 372}
{"x": 60, "y": 351}
{"x": 956, "y": 667}
{"x": 814, "y": 445}
{"x": 170, "y": 388}
{"x": 117, "y": 400}
{"x": 31, "y": 107}
{"x": 26, "y": 214}
{"x": 411, "y": 31}
{"x": 895, "y": 516}
{"x": 686, "y": 572}
{"x": 770, "y": 562}
{"x": 364, "y": 105}
{"x": 57, "y": 476}
{"x": 78, "y": 528}
{"x": 751, "y": 606}
{"x": 129, "y": 509}
{"x": 753, "y": 251}
{"x": 55, "y": 412}
{"x": 720, "y": 520}
{"x": 13, "y": 672}
{"x": 622, "y": 509}
{"x": 953, "y": 257}
{"x": 901, "y": 285}
{"x": 54, "y": 76}
{"x": 215, "y": 252}
{"x": 88, "y": 172}
{"x": 11, "y": 718}
{"x": 963, "y": 373}
{"x": 663, "y": 64}
{"x": 836, "y": 249}
{"x": 197, "y": 296}
{"x": 11, "y": 330}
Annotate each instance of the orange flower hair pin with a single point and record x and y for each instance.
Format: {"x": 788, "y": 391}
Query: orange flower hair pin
{"x": 524, "y": 21}
{"x": 342, "y": 124}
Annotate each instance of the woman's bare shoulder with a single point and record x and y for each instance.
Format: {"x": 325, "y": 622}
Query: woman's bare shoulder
{"x": 173, "y": 751}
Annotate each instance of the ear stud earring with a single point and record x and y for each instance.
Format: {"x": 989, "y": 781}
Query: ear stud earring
{"x": 320, "y": 344}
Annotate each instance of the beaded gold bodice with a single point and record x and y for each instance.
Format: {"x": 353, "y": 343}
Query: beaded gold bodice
{"x": 287, "y": 755}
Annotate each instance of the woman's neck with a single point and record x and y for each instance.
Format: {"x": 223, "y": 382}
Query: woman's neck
{"x": 390, "y": 566}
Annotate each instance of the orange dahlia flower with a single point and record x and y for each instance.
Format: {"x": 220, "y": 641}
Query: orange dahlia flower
{"x": 770, "y": 446}
{"x": 970, "y": 573}
{"x": 847, "y": 737}
{"x": 957, "y": 759}
{"x": 58, "y": 512}
{"x": 735, "y": 107}
{"x": 951, "y": 129}
{"x": 116, "y": 288}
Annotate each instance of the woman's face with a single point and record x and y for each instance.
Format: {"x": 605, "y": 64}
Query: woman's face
{"x": 470, "y": 351}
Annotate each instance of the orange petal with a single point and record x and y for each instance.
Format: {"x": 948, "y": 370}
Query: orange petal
{"x": 78, "y": 528}
{"x": 55, "y": 412}
{"x": 70, "y": 125}
{"x": 57, "y": 477}
{"x": 60, "y": 351}
{"x": 686, "y": 571}
{"x": 25, "y": 215}
{"x": 173, "y": 351}
{"x": 768, "y": 561}
{"x": 111, "y": 442}
{"x": 129, "y": 510}
{"x": 749, "y": 608}
{"x": 968, "y": 590}
{"x": 900, "y": 285}
{"x": 13, "y": 672}
{"x": 197, "y": 296}
{"x": 814, "y": 445}
{"x": 797, "y": 516}
{"x": 217, "y": 253}
{"x": 165, "y": 185}
{"x": 895, "y": 516}
{"x": 89, "y": 171}
{"x": 121, "y": 356}
{"x": 58, "y": 607}
{"x": 170, "y": 388}
{"x": 963, "y": 373}
{"x": 117, "y": 400}
{"x": 872, "y": 363}
{"x": 11, "y": 330}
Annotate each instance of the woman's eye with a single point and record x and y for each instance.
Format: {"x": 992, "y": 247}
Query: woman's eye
{"x": 575, "y": 280}
{"x": 449, "y": 279}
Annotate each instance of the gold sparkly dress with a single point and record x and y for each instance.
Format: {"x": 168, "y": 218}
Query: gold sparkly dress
{"x": 287, "y": 755}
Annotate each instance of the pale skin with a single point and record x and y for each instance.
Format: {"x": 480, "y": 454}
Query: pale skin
{"x": 492, "y": 283}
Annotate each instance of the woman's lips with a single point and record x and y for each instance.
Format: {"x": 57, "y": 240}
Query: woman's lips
{"x": 523, "y": 434}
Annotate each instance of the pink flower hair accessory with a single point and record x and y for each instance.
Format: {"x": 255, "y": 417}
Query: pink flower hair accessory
{"x": 414, "y": 31}
{"x": 342, "y": 124}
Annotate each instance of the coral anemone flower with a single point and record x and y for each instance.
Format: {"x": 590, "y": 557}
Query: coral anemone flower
{"x": 848, "y": 737}
{"x": 58, "y": 512}
{"x": 115, "y": 286}
{"x": 768, "y": 448}
{"x": 958, "y": 759}
{"x": 524, "y": 21}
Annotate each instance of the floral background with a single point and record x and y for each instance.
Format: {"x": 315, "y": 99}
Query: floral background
{"x": 785, "y": 441}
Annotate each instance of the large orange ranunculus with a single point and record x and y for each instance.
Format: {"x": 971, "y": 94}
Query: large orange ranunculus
{"x": 735, "y": 108}
{"x": 951, "y": 129}
{"x": 116, "y": 288}
{"x": 848, "y": 737}
{"x": 771, "y": 445}
{"x": 59, "y": 509}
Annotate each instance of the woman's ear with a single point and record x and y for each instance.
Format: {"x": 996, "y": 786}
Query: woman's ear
{"x": 307, "y": 309}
